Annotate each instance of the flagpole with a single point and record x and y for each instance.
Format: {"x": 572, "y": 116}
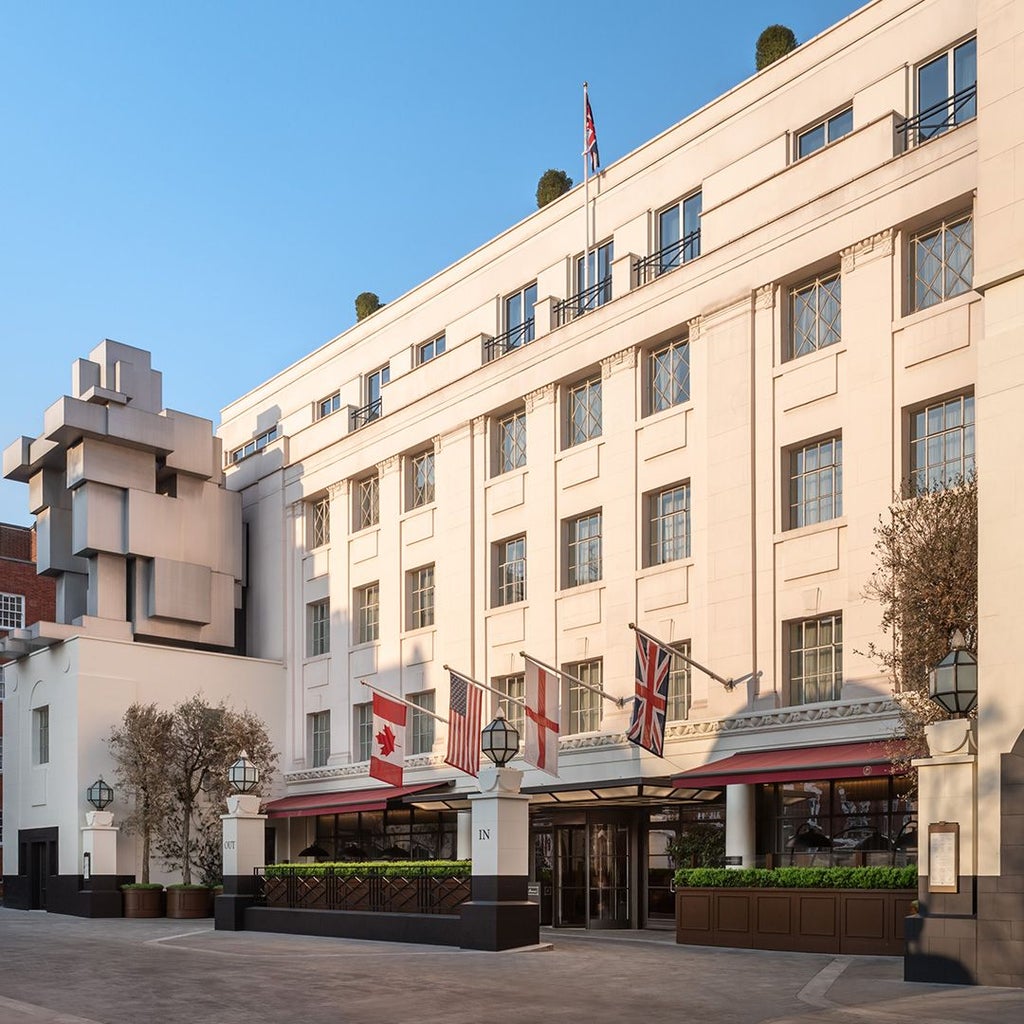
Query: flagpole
{"x": 586, "y": 205}
{"x": 483, "y": 686}
{"x": 729, "y": 684}
{"x": 619, "y": 702}
{"x": 407, "y": 703}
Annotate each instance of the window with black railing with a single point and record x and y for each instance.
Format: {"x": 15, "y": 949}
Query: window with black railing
{"x": 372, "y": 389}
{"x": 519, "y": 324}
{"x": 593, "y": 285}
{"x": 678, "y": 239}
{"x": 367, "y": 414}
{"x": 947, "y": 94}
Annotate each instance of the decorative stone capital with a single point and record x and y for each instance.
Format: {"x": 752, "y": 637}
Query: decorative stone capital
{"x": 693, "y": 327}
{"x": 952, "y": 736}
{"x": 868, "y": 249}
{"x": 764, "y": 297}
{"x": 626, "y": 359}
{"x": 389, "y": 464}
{"x": 542, "y": 396}
{"x": 244, "y": 805}
{"x": 337, "y": 490}
{"x": 99, "y": 819}
{"x": 500, "y": 781}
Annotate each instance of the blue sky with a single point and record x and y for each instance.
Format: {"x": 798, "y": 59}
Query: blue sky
{"x": 217, "y": 181}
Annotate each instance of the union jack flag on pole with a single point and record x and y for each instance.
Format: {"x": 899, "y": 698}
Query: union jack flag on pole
{"x": 464, "y": 707}
{"x": 590, "y": 134}
{"x": 647, "y": 726}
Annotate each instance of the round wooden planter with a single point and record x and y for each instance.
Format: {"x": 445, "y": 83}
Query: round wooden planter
{"x": 143, "y": 902}
{"x": 187, "y": 903}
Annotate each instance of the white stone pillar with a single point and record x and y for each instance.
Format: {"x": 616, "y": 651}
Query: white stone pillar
{"x": 740, "y": 846}
{"x": 243, "y": 829}
{"x": 99, "y": 843}
{"x": 464, "y": 835}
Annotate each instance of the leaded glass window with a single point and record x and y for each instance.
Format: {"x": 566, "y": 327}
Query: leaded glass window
{"x": 817, "y": 311}
{"x": 943, "y": 262}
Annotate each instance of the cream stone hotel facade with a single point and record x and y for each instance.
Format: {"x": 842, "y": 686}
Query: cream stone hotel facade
{"x": 804, "y": 299}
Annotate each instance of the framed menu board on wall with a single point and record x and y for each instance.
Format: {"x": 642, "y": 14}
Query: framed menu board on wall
{"x": 944, "y": 856}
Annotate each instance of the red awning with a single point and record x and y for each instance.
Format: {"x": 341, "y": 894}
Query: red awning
{"x": 309, "y": 804}
{"x": 835, "y": 761}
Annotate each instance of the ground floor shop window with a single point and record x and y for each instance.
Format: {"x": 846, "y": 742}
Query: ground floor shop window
{"x": 403, "y": 833}
{"x": 842, "y": 822}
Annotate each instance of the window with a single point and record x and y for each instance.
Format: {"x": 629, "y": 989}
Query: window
{"x": 421, "y": 597}
{"x": 584, "y": 549}
{"x": 679, "y": 233}
{"x": 942, "y": 262}
{"x": 816, "y": 483}
{"x": 320, "y": 522}
{"x": 816, "y": 315}
{"x": 816, "y": 659}
{"x": 421, "y": 479}
{"x": 367, "y": 502}
{"x": 332, "y": 403}
{"x": 318, "y": 628}
{"x": 12, "y": 611}
{"x": 669, "y": 371}
{"x": 368, "y": 610}
{"x": 512, "y": 441}
{"x": 584, "y": 402}
{"x": 320, "y": 737}
{"x": 430, "y": 350}
{"x": 519, "y": 325}
{"x": 421, "y": 725}
{"x": 513, "y": 687}
{"x": 257, "y": 444}
{"x": 941, "y": 444}
{"x": 947, "y": 90}
{"x": 372, "y": 386}
{"x": 584, "y": 705}
{"x": 364, "y": 731}
{"x": 679, "y": 691}
{"x": 832, "y": 128}
{"x": 511, "y": 571}
{"x": 595, "y": 289}
{"x": 41, "y": 734}
{"x": 669, "y": 512}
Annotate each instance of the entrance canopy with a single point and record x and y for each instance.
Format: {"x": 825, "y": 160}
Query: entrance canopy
{"x": 835, "y": 761}
{"x": 310, "y": 804}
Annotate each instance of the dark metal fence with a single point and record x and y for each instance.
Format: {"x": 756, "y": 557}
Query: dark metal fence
{"x": 515, "y": 337}
{"x": 298, "y": 890}
{"x": 367, "y": 414}
{"x": 940, "y": 117}
{"x": 672, "y": 256}
{"x": 582, "y": 302}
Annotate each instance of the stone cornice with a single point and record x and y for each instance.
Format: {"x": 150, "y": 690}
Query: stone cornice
{"x": 625, "y": 359}
{"x": 764, "y": 297}
{"x": 541, "y": 396}
{"x": 872, "y": 248}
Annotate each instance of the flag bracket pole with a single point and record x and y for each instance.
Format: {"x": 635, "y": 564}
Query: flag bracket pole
{"x": 729, "y": 684}
{"x": 619, "y": 702}
{"x": 407, "y": 703}
{"x": 484, "y": 686}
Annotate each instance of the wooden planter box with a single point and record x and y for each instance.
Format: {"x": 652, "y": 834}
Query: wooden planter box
{"x": 857, "y": 921}
{"x": 143, "y": 902}
{"x": 189, "y": 903}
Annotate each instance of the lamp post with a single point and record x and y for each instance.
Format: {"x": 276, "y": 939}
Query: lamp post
{"x": 498, "y": 914}
{"x": 953, "y": 683}
{"x": 99, "y": 853}
{"x": 243, "y": 828}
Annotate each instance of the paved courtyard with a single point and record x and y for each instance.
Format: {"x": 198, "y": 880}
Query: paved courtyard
{"x": 64, "y": 970}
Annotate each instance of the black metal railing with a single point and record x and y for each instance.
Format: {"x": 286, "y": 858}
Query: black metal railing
{"x": 297, "y": 889}
{"x": 367, "y": 414}
{"x": 515, "y": 337}
{"x": 940, "y": 117}
{"x": 582, "y": 302}
{"x": 672, "y": 256}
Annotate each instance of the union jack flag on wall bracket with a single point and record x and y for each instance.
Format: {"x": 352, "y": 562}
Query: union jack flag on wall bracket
{"x": 647, "y": 724}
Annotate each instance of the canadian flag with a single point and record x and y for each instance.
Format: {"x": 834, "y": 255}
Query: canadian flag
{"x": 541, "y": 747}
{"x": 388, "y": 751}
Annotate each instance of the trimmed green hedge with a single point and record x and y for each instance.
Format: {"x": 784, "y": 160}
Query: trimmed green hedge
{"x": 375, "y": 869}
{"x": 798, "y": 878}
{"x": 142, "y": 885}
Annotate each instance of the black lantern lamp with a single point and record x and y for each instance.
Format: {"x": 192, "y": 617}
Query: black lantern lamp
{"x": 243, "y": 774}
{"x": 99, "y": 794}
{"x": 500, "y": 740}
{"x": 953, "y": 683}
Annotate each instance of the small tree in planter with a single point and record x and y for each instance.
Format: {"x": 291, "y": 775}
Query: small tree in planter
{"x": 139, "y": 746}
{"x": 700, "y": 845}
{"x": 203, "y": 742}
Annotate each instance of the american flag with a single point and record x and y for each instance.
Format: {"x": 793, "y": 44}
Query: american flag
{"x": 464, "y": 706}
{"x": 590, "y": 133}
{"x": 647, "y": 726}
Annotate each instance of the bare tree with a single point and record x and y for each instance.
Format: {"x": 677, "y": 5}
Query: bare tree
{"x": 926, "y": 581}
{"x": 139, "y": 746}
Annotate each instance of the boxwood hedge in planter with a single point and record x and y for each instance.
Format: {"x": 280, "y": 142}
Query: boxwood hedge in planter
{"x": 881, "y": 877}
{"x": 374, "y": 869}
{"x": 143, "y": 899}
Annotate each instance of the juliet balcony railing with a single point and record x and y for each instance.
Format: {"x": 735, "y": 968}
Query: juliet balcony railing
{"x": 582, "y": 302}
{"x": 514, "y": 338}
{"x": 367, "y": 414}
{"x": 940, "y": 117}
{"x": 673, "y": 255}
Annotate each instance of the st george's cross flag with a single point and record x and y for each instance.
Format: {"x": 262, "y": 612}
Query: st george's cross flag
{"x": 541, "y": 748}
{"x": 647, "y": 726}
{"x": 590, "y": 134}
{"x": 464, "y": 707}
{"x": 388, "y": 748}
